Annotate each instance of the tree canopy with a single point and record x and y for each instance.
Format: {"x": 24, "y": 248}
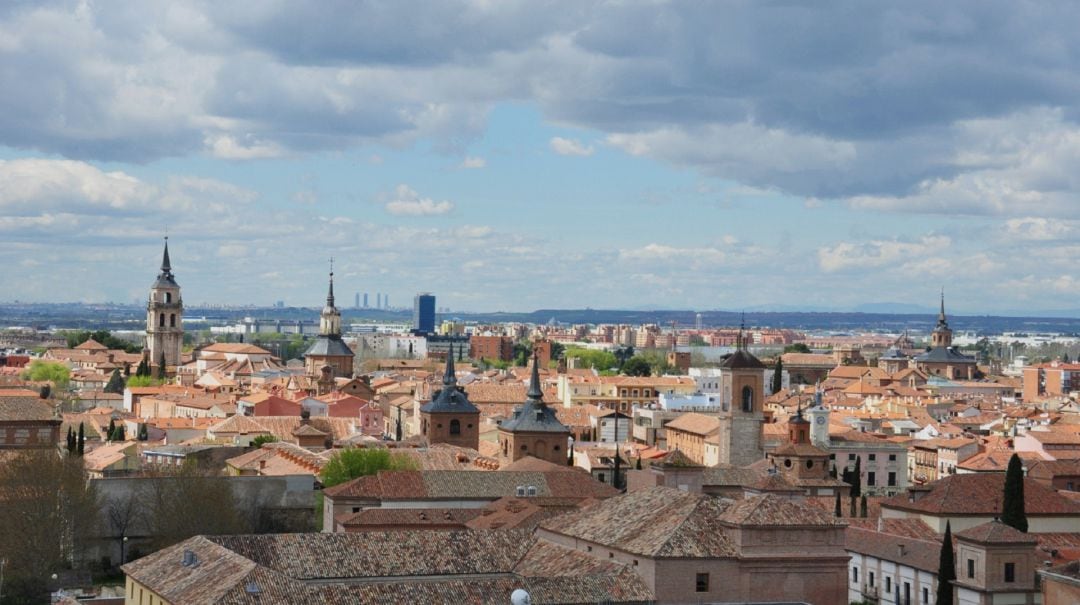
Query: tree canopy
{"x": 637, "y": 366}
{"x": 797, "y": 348}
{"x": 56, "y": 373}
{"x": 348, "y": 464}
{"x": 1012, "y": 507}
{"x": 77, "y": 337}
{"x": 592, "y": 358}
{"x": 116, "y": 383}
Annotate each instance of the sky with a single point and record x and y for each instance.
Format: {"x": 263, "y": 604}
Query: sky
{"x": 514, "y": 156}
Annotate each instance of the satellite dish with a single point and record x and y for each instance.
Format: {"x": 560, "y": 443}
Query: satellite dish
{"x": 520, "y": 597}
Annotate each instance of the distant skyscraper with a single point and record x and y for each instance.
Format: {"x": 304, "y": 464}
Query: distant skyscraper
{"x": 386, "y": 301}
{"x": 365, "y": 300}
{"x": 697, "y": 321}
{"x": 378, "y": 300}
{"x": 424, "y": 313}
{"x": 356, "y": 301}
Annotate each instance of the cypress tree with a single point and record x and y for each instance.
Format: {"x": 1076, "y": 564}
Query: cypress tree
{"x": 777, "y": 377}
{"x": 1012, "y": 507}
{"x": 70, "y": 440}
{"x": 851, "y": 507}
{"x": 127, "y": 370}
{"x": 161, "y": 365}
{"x": 856, "y": 478}
{"x": 946, "y": 569}
{"x": 837, "y": 511}
{"x": 639, "y": 462}
{"x": 80, "y": 447}
{"x": 143, "y": 369}
{"x": 112, "y": 429}
{"x": 862, "y": 506}
{"x": 116, "y": 383}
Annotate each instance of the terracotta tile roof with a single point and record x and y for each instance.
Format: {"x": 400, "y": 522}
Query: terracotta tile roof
{"x": 980, "y": 494}
{"x": 808, "y": 359}
{"x": 695, "y": 423}
{"x": 234, "y": 347}
{"x": 409, "y": 518}
{"x": 24, "y": 409}
{"x": 776, "y": 511}
{"x": 996, "y": 532}
{"x": 657, "y": 522}
{"x": 456, "y": 484}
{"x": 919, "y": 554}
{"x": 514, "y": 512}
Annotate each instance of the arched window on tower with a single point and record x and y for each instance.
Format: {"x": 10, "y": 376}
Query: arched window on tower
{"x": 161, "y": 320}
{"x": 455, "y": 427}
{"x": 168, "y": 297}
{"x": 172, "y": 320}
{"x": 747, "y": 399}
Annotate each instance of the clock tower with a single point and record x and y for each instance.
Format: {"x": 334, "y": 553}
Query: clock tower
{"x": 819, "y": 421}
{"x": 164, "y": 316}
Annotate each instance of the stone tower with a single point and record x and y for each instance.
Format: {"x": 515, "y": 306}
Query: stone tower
{"x": 533, "y": 430}
{"x": 941, "y": 338}
{"x": 164, "y": 315}
{"x": 450, "y": 417}
{"x": 819, "y": 421}
{"x": 742, "y": 390}
{"x": 329, "y": 350}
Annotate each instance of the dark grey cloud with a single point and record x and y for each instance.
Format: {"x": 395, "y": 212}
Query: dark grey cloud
{"x": 885, "y": 105}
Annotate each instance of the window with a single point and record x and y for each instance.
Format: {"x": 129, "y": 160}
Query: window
{"x": 892, "y": 479}
{"x": 161, "y": 320}
{"x": 873, "y": 457}
{"x": 925, "y": 595}
{"x": 907, "y": 593}
{"x": 168, "y": 297}
{"x": 747, "y": 399}
{"x": 1010, "y": 572}
{"x": 702, "y": 583}
{"x": 600, "y": 477}
{"x": 971, "y": 568}
{"x": 787, "y": 462}
{"x": 851, "y": 456}
{"x": 871, "y": 478}
{"x": 888, "y": 584}
{"x": 455, "y": 427}
{"x": 809, "y": 464}
{"x": 892, "y": 457}
{"x": 524, "y": 447}
{"x": 356, "y": 509}
{"x": 172, "y": 320}
{"x": 854, "y": 574}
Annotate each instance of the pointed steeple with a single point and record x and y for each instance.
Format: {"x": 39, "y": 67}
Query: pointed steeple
{"x": 450, "y": 377}
{"x": 330, "y": 292}
{"x": 166, "y": 266}
{"x": 739, "y": 343}
{"x": 941, "y": 314}
{"x": 535, "y": 393}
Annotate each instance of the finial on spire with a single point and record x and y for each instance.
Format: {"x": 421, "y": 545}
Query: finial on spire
{"x": 535, "y": 393}
{"x": 450, "y": 377}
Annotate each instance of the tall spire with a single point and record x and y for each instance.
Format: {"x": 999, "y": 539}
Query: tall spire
{"x": 450, "y": 377}
{"x": 742, "y": 326}
{"x": 534, "y": 393}
{"x": 166, "y": 266}
{"x": 330, "y": 292}
{"x": 941, "y": 314}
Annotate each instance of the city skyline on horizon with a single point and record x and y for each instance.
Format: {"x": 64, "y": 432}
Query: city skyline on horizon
{"x": 745, "y": 156}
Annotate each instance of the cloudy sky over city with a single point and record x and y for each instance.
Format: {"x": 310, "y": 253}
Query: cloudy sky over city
{"x": 521, "y": 155}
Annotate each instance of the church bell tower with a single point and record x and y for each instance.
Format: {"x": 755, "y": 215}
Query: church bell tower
{"x": 164, "y": 315}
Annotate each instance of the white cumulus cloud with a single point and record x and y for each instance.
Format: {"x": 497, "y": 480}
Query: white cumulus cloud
{"x": 563, "y": 146}
{"x": 407, "y": 202}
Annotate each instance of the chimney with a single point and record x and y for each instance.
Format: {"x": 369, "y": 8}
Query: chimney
{"x": 901, "y": 548}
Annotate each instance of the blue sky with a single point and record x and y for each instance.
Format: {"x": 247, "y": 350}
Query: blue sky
{"x": 523, "y": 155}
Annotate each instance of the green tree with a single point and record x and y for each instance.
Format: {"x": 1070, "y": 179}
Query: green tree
{"x": 116, "y": 383}
{"x": 778, "y": 375}
{"x": 836, "y": 511}
{"x": 592, "y": 358}
{"x": 142, "y": 381}
{"x": 161, "y": 366}
{"x": 48, "y": 371}
{"x": 144, "y": 433}
{"x": 797, "y": 348}
{"x": 637, "y": 366}
{"x": 187, "y": 500}
{"x": 77, "y": 337}
{"x": 111, "y": 430}
{"x": 143, "y": 369}
{"x": 261, "y": 439}
{"x": 350, "y": 463}
{"x": 1012, "y": 508}
{"x": 946, "y": 569}
{"x": 72, "y": 441}
{"x": 557, "y": 350}
{"x": 80, "y": 446}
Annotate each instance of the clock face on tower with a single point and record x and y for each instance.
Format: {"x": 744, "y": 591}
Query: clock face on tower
{"x": 820, "y": 420}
